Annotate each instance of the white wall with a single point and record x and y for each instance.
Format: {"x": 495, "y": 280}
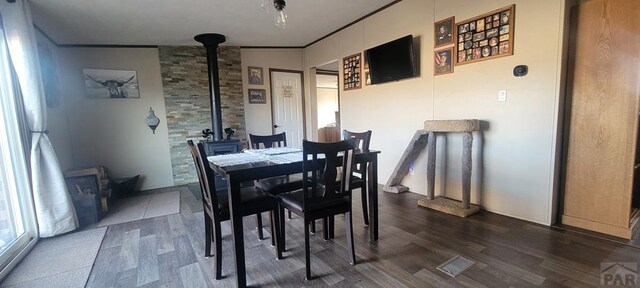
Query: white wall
{"x": 57, "y": 116}
{"x": 327, "y": 106}
{"x": 258, "y": 116}
{"x": 520, "y": 143}
{"x": 113, "y": 132}
{"x": 519, "y": 150}
{"x": 394, "y": 110}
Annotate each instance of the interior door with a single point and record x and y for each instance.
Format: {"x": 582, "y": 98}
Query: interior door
{"x": 287, "y": 104}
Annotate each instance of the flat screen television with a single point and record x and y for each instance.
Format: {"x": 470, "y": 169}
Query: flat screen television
{"x": 391, "y": 61}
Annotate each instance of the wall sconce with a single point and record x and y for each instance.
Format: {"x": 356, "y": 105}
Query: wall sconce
{"x": 152, "y": 120}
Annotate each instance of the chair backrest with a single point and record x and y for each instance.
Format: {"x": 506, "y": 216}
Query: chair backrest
{"x": 361, "y": 142}
{"x": 362, "y": 139}
{"x": 206, "y": 179}
{"x": 317, "y": 170}
{"x": 268, "y": 141}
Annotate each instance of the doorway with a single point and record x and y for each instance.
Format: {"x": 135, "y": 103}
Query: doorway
{"x": 287, "y": 105}
{"x": 328, "y": 102}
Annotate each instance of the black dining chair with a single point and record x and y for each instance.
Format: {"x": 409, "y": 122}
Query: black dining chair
{"x": 359, "y": 180}
{"x": 216, "y": 207}
{"x": 279, "y": 184}
{"x": 326, "y": 191}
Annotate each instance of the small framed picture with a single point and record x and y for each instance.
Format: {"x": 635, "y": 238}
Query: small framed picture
{"x": 255, "y": 75}
{"x": 443, "y": 63}
{"x": 444, "y": 33}
{"x": 257, "y": 96}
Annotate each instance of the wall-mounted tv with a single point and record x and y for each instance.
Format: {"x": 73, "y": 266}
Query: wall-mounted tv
{"x": 391, "y": 61}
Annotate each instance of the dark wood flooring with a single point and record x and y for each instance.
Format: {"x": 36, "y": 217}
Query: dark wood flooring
{"x": 168, "y": 251}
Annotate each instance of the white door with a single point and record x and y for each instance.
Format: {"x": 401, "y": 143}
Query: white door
{"x": 287, "y": 104}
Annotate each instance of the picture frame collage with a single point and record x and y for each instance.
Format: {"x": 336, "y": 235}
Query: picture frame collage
{"x": 352, "y": 72}
{"x": 256, "y": 77}
{"x": 486, "y": 36}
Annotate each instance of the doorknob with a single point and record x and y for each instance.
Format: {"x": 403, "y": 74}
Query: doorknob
{"x": 276, "y": 126}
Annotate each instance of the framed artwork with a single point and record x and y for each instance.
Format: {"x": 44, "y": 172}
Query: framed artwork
{"x": 257, "y": 96}
{"x": 103, "y": 83}
{"x": 444, "y": 32}
{"x": 255, "y": 75}
{"x": 443, "y": 61}
{"x": 352, "y": 72}
{"x": 486, "y": 36}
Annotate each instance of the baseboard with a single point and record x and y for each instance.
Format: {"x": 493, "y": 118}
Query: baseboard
{"x": 622, "y": 232}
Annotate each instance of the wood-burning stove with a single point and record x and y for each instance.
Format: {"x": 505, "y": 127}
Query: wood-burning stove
{"x": 218, "y": 146}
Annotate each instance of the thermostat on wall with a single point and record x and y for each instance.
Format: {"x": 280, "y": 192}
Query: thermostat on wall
{"x": 520, "y": 70}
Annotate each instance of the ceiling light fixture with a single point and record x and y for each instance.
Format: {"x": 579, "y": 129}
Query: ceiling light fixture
{"x": 279, "y": 14}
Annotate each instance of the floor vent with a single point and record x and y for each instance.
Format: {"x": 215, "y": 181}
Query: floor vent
{"x": 455, "y": 265}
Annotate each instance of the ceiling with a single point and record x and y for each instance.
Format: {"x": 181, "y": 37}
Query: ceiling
{"x": 164, "y": 22}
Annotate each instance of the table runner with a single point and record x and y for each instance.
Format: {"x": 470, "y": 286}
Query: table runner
{"x": 236, "y": 159}
{"x": 274, "y": 151}
{"x": 280, "y": 155}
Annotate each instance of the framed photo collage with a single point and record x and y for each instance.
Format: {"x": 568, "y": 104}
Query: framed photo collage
{"x": 476, "y": 39}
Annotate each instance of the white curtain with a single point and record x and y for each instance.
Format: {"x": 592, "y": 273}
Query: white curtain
{"x": 54, "y": 209}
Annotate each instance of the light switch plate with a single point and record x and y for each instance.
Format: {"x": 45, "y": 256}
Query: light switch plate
{"x": 502, "y": 95}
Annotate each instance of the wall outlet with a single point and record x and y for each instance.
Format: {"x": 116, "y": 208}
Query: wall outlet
{"x": 412, "y": 170}
{"x": 502, "y": 95}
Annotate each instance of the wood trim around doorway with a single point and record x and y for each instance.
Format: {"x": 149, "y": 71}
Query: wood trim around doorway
{"x": 304, "y": 113}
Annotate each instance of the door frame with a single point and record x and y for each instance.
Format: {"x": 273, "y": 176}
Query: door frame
{"x": 565, "y": 109}
{"x": 304, "y": 113}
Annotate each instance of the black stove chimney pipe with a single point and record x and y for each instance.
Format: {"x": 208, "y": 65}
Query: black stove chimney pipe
{"x": 211, "y": 42}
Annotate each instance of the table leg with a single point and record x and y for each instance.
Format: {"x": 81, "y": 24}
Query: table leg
{"x": 373, "y": 198}
{"x": 233, "y": 189}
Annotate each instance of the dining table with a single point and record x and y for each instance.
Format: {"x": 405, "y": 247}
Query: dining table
{"x": 256, "y": 164}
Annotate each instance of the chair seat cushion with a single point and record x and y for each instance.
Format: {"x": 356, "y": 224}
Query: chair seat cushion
{"x": 294, "y": 200}
{"x": 252, "y": 200}
{"x": 280, "y": 184}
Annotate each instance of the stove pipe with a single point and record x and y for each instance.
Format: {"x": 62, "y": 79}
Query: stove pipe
{"x": 211, "y": 42}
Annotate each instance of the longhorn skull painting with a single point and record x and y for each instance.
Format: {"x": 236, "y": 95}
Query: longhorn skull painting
{"x": 102, "y": 83}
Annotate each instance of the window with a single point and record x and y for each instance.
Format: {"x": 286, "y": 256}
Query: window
{"x": 17, "y": 220}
